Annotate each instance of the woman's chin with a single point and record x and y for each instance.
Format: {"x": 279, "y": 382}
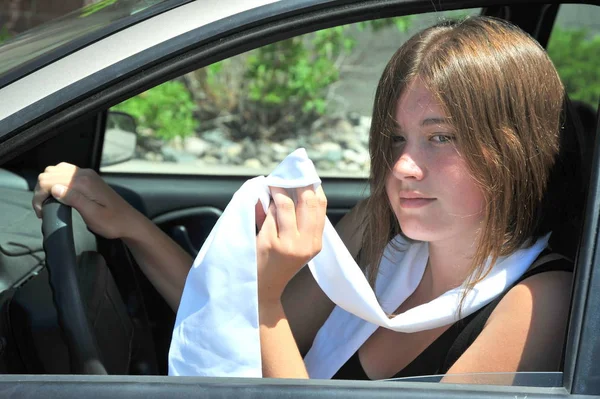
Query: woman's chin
{"x": 416, "y": 232}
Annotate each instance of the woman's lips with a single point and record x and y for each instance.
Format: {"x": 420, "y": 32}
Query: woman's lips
{"x": 415, "y": 202}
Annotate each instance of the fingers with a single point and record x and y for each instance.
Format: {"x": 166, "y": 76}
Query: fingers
{"x": 302, "y": 220}
{"x": 289, "y": 237}
{"x": 39, "y": 196}
{"x": 311, "y": 213}
{"x": 60, "y": 174}
{"x": 306, "y": 210}
{"x": 268, "y": 228}
{"x": 259, "y": 215}
{"x": 285, "y": 212}
{"x": 65, "y": 182}
{"x": 75, "y": 199}
{"x": 321, "y": 211}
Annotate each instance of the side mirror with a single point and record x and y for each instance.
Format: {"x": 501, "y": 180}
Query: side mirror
{"x": 120, "y": 138}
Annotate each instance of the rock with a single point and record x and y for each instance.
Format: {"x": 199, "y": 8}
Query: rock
{"x": 315, "y": 137}
{"x": 359, "y": 158}
{"x": 279, "y": 149}
{"x": 292, "y": 144}
{"x": 173, "y": 155}
{"x": 250, "y": 149}
{"x": 362, "y": 130}
{"x": 363, "y": 138}
{"x": 354, "y": 118}
{"x": 365, "y": 122}
{"x": 343, "y": 128}
{"x": 195, "y": 146}
{"x": 302, "y": 140}
{"x": 265, "y": 158}
{"x": 357, "y": 146}
{"x": 351, "y": 167}
{"x": 234, "y": 150}
{"x": 216, "y": 137}
{"x": 210, "y": 160}
{"x": 329, "y": 151}
{"x": 324, "y": 165}
{"x": 177, "y": 143}
{"x": 328, "y": 146}
{"x": 214, "y": 152}
{"x": 153, "y": 157}
{"x": 314, "y": 154}
{"x": 253, "y": 163}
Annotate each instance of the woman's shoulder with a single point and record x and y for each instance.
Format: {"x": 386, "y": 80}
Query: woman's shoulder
{"x": 544, "y": 288}
{"x": 526, "y": 330}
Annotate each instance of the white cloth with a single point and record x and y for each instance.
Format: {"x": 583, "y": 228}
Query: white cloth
{"x": 216, "y": 330}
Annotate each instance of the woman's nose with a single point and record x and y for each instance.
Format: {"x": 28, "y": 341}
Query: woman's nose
{"x": 406, "y": 167}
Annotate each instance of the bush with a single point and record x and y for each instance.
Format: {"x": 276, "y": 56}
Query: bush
{"x": 287, "y": 84}
{"x": 166, "y": 110}
{"x": 576, "y": 56}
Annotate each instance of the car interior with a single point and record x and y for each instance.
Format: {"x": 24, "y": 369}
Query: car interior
{"x": 130, "y": 322}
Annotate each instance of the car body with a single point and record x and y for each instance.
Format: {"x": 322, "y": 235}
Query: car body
{"x": 55, "y": 98}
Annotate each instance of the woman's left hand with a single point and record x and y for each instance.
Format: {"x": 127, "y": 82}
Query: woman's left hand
{"x": 290, "y": 235}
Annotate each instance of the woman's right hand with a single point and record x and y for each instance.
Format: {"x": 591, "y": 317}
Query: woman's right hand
{"x": 103, "y": 210}
{"x": 289, "y": 236}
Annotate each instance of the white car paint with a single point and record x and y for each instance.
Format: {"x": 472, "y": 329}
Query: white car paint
{"x": 115, "y": 48}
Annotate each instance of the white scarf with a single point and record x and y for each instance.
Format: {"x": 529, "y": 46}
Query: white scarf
{"x": 216, "y": 330}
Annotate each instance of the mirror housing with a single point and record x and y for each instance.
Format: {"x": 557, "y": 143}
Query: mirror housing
{"x": 120, "y": 138}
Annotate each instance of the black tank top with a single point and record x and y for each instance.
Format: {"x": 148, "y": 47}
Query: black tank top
{"x": 438, "y": 357}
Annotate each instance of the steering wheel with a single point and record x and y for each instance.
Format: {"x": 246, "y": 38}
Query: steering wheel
{"x": 61, "y": 263}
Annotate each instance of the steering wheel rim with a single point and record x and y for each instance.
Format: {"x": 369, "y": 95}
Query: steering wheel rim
{"x": 61, "y": 263}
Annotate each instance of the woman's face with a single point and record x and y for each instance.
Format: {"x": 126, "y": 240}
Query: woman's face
{"x": 429, "y": 187}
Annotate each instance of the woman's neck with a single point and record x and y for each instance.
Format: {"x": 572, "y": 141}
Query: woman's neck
{"x": 449, "y": 264}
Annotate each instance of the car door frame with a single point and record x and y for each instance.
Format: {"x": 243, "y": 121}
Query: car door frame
{"x": 580, "y": 372}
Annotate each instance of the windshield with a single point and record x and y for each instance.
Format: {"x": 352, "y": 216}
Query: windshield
{"x": 35, "y": 43}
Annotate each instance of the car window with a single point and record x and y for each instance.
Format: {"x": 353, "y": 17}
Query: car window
{"x": 574, "y": 47}
{"x": 526, "y": 379}
{"x": 243, "y": 115}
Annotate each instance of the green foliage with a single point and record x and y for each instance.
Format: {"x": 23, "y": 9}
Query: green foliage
{"x": 297, "y": 71}
{"x": 462, "y": 14}
{"x": 401, "y": 23}
{"x": 288, "y": 72}
{"x": 291, "y": 78}
{"x": 4, "y": 34}
{"x": 576, "y": 55}
{"x": 167, "y": 110}
{"x": 95, "y": 7}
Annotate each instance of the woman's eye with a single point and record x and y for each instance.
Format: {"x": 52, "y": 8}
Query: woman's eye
{"x": 398, "y": 140}
{"x": 442, "y": 138}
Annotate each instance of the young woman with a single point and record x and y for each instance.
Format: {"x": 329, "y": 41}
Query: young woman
{"x": 464, "y": 136}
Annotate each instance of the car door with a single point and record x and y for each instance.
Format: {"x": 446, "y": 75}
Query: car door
{"x": 186, "y": 205}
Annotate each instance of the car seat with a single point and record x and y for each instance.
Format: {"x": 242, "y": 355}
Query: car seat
{"x": 563, "y": 206}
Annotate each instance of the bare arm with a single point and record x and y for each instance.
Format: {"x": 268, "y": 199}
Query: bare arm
{"x": 162, "y": 260}
{"x": 306, "y": 306}
{"x": 107, "y": 214}
{"x": 524, "y": 333}
{"x": 283, "y": 243}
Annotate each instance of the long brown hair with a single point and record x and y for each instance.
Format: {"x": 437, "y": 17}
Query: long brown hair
{"x": 504, "y": 100}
